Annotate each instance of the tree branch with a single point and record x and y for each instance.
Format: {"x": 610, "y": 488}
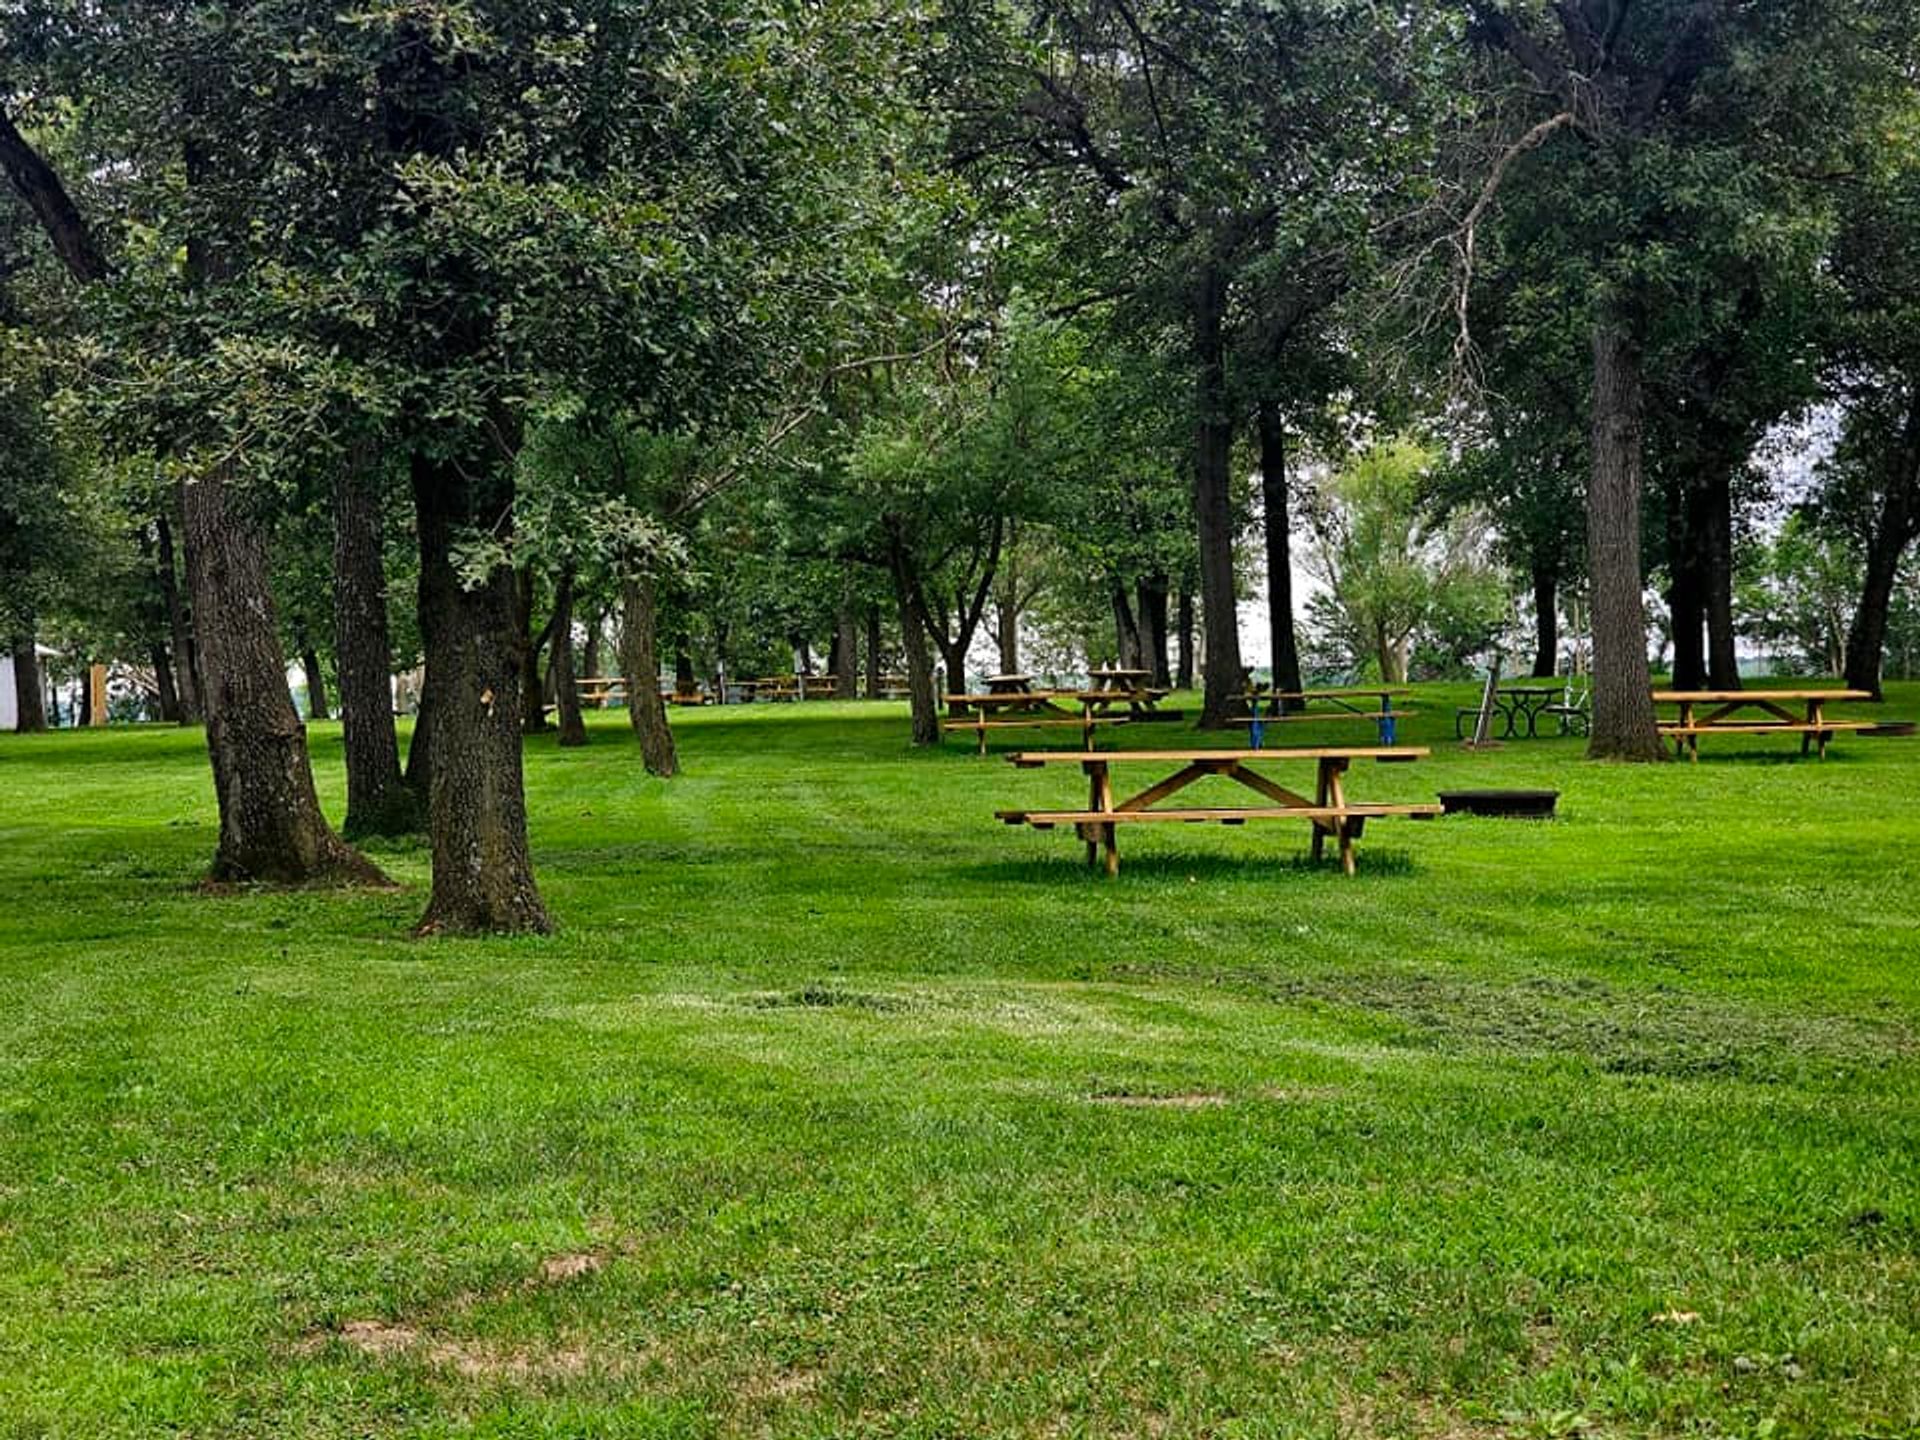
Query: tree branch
{"x": 36, "y": 183}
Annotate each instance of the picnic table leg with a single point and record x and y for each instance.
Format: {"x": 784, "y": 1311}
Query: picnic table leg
{"x": 1100, "y": 799}
{"x": 1320, "y": 800}
{"x": 1807, "y": 738}
{"x": 1337, "y": 795}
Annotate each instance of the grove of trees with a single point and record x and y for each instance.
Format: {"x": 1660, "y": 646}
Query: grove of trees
{"x": 524, "y": 345}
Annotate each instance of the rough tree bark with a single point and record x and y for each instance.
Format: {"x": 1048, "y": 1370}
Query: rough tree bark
{"x": 271, "y": 828}
{"x": 1623, "y": 714}
{"x": 31, "y": 709}
{"x": 379, "y": 801}
{"x": 1279, "y": 537}
{"x": 1213, "y": 501}
{"x": 566, "y": 688}
{"x": 913, "y": 639}
{"x": 1546, "y": 621}
{"x": 640, "y": 663}
{"x": 477, "y": 810}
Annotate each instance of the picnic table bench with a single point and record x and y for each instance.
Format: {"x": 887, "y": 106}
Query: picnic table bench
{"x": 1329, "y": 812}
{"x": 1725, "y": 717}
{"x": 1021, "y": 710}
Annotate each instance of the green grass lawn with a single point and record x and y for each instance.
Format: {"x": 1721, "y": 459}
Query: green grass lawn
{"x": 836, "y": 1108}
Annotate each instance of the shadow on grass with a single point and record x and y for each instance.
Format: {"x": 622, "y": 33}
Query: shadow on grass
{"x": 1188, "y": 866}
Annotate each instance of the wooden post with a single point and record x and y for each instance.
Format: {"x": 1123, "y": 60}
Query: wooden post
{"x": 97, "y": 694}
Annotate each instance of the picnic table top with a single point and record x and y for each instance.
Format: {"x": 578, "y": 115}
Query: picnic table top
{"x": 1729, "y": 697}
{"x": 1027, "y": 759}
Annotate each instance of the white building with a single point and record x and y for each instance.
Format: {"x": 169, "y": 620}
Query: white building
{"x": 9, "y": 692}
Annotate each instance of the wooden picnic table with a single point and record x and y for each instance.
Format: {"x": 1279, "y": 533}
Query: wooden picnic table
{"x": 1010, "y": 684}
{"x": 1114, "y": 677}
{"x": 1345, "y": 700}
{"x": 1021, "y": 710}
{"x": 1329, "y": 812}
{"x": 1724, "y": 717}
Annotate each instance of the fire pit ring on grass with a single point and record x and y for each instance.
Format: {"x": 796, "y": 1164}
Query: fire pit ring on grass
{"x": 1508, "y": 804}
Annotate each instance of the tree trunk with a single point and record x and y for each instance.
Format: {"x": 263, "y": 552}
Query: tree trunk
{"x": 31, "y": 709}
{"x": 1273, "y": 499}
{"x": 317, "y": 707}
{"x": 166, "y": 700}
{"x": 1716, "y": 529}
{"x": 1150, "y": 596}
{"x": 379, "y": 801}
{"x": 640, "y": 662}
{"x": 419, "y": 773}
{"x": 846, "y": 672}
{"x": 533, "y": 697}
{"x": 1183, "y": 677}
{"x": 271, "y": 828}
{"x": 1623, "y": 714}
{"x": 874, "y": 681}
{"x": 186, "y": 665}
{"x": 1546, "y": 622}
{"x": 1213, "y": 503}
{"x": 1686, "y": 610}
{"x": 590, "y": 650}
{"x": 566, "y": 688}
{"x": 1126, "y": 630}
{"x": 913, "y": 636}
{"x": 477, "y": 812}
{"x": 1006, "y": 632}
{"x": 1894, "y": 530}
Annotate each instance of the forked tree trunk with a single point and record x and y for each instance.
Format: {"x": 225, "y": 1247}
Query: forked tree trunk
{"x": 477, "y": 811}
{"x": 1546, "y": 622}
{"x": 1213, "y": 502}
{"x": 271, "y": 828}
{"x": 640, "y": 662}
{"x": 1183, "y": 676}
{"x": 874, "y": 684}
{"x": 379, "y": 801}
{"x": 913, "y": 638}
{"x": 1894, "y": 530}
{"x": 1006, "y": 635}
{"x": 1279, "y": 536}
{"x": 1623, "y": 714}
{"x": 566, "y": 688}
{"x": 186, "y": 673}
{"x": 317, "y": 707}
{"x": 1150, "y": 597}
{"x": 31, "y": 710}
